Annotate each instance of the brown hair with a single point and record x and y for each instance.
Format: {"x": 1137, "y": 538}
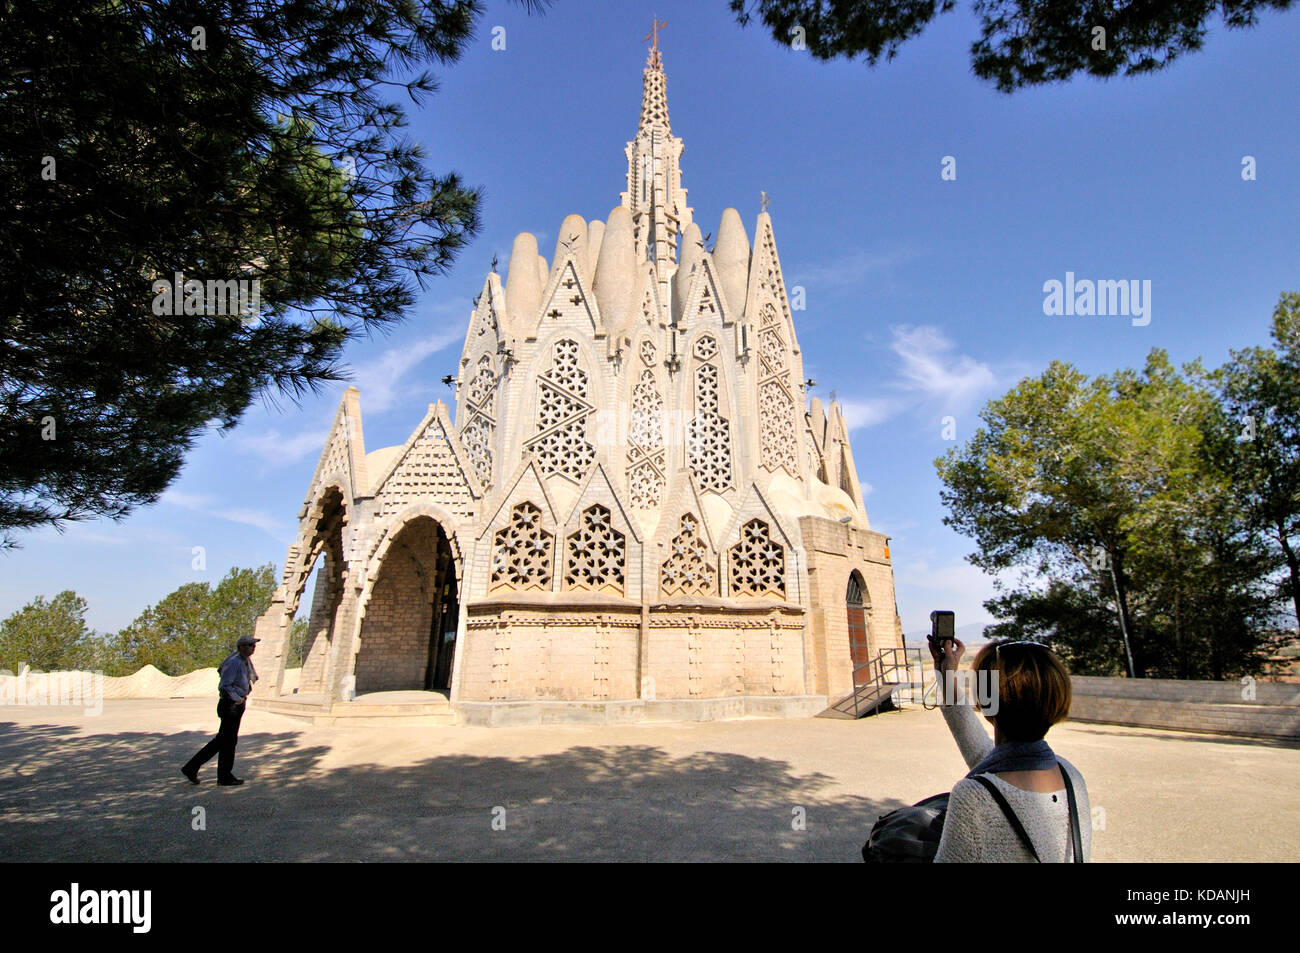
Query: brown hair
{"x": 1033, "y": 688}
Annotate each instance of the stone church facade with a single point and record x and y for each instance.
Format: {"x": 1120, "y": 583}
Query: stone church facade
{"x": 633, "y": 513}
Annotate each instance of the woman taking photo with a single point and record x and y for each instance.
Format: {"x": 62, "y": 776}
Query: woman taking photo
{"x": 1027, "y": 690}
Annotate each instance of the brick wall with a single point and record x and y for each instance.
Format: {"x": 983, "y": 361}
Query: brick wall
{"x": 834, "y": 551}
{"x": 394, "y": 650}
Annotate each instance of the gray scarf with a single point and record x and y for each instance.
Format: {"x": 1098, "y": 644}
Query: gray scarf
{"x": 1016, "y": 756}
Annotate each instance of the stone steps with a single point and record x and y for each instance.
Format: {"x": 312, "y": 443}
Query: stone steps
{"x": 390, "y": 709}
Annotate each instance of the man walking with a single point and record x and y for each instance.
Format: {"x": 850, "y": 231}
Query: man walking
{"x": 237, "y": 677}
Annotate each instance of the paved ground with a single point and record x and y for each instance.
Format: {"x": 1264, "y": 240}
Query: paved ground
{"x": 74, "y": 787}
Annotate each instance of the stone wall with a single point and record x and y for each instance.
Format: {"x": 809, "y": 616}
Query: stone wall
{"x": 721, "y": 651}
{"x": 551, "y": 652}
{"x": 834, "y": 551}
{"x": 1215, "y": 707}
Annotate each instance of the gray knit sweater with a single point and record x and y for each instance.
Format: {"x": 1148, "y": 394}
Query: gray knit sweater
{"x": 976, "y": 830}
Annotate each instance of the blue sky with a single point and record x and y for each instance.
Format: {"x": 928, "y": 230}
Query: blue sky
{"x": 924, "y": 296}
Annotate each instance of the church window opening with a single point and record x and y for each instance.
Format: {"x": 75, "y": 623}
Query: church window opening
{"x": 563, "y": 407}
{"x": 689, "y": 570}
{"x": 596, "y": 554}
{"x": 757, "y": 563}
{"x": 521, "y": 554}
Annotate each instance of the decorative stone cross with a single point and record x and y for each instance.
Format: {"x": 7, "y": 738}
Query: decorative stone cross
{"x": 654, "y": 33}
{"x": 762, "y": 197}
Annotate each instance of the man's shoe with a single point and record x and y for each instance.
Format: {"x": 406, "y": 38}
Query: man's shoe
{"x": 192, "y": 775}
{"x": 232, "y": 780}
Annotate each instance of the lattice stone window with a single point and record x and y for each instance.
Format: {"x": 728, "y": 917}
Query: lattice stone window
{"x": 596, "y": 554}
{"x": 689, "y": 569}
{"x": 648, "y": 354}
{"x": 521, "y": 554}
{"x": 706, "y": 347}
{"x": 645, "y": 440}
{"x": 563, "y": 407}
{"x": 757, "y": 563}
{"x": 478, "y": 435}
{"x": 778, "y": 441}
{"x": 708, "y": 438}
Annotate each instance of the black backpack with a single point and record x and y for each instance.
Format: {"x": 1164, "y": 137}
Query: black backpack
{"x": 910, "y": 835}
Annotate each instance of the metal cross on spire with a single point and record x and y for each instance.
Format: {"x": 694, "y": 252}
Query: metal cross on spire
{"x": 654, "y": 59}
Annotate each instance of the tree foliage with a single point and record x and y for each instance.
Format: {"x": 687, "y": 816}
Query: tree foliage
{"x": 1022, "y": 42}
{"x": 195, "y": 626}
{"x": 50, "y": 635}
{"x": 1134, "y": 497}
{"x": 218, "y": 140}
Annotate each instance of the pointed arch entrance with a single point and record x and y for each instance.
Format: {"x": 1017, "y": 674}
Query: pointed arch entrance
{"x": 408, "y": 632}
{"x": 857, "y": 604}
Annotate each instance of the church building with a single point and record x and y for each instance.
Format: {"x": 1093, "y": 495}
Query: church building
{"x": 633, "y": 511}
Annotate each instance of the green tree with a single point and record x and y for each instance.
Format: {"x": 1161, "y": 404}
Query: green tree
{"x": 1258, "y": 439}
{"x": 1022, "y": 42}
{"x": 50, "y": 635}
{"x": 219, "y": 140}
{"x": 195, "y": 626}
{"x": 1109, "y": 489}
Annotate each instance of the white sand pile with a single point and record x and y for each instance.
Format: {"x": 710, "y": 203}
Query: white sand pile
{"x": 146, "y": 683}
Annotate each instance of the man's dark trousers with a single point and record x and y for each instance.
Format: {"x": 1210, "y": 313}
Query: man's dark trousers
{"x": 224, "y": 743}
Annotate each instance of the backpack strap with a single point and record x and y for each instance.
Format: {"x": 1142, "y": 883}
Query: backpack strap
{"x": 1076, "y": 840}
{"x": 1009, "y": 813}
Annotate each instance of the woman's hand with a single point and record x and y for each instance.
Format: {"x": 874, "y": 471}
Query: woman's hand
{"x": 947, "y": 659}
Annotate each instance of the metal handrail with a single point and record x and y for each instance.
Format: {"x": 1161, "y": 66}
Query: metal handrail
{"x": 880, "y": 670}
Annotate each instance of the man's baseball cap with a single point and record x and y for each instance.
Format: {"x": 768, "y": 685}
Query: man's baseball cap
{"x": 247, "y": 640}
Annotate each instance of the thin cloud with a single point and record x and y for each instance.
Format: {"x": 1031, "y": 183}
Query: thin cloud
{"x": 859, "y": 414}
{"x": 850, "y": 270}
{"x": 211, "y": 507}
{"x": 930, "y": 378}
{"x": 380, "y": 380}
{"x": 381, "y": 384}
{"x": 281, "y": 450}
{"x": 931, "y": 371}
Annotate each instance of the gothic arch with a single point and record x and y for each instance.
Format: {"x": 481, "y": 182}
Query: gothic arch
{"x": 327, "y": 517}
{"x": 389, "y": 530}
{"x": 409, "y": 618}
{"x": 858, "y": 605}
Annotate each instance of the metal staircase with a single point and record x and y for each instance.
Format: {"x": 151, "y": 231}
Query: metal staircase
{"x": 880, "y": 681}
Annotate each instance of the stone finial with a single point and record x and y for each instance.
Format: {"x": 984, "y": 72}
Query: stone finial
{"x": 595, "y": 234}
{"x": 523, "y": 288}
{"x": 731, "y": 258}
{"x": 692, "y": 258}
{"x": 572, "y": 240}
{"x": 616, "y": 270}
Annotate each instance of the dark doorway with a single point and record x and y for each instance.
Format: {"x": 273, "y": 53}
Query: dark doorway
{"x": 446, "y": 618}
{"x": 858, "y": 647}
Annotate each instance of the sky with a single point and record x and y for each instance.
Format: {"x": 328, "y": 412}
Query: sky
{"x": 924, "y": 295}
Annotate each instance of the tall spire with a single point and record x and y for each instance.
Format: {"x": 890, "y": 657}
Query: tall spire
{"x": 654, "y": 195}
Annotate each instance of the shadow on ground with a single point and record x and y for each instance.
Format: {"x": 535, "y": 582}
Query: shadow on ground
{"x": 65, "y": 795}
